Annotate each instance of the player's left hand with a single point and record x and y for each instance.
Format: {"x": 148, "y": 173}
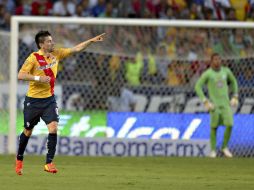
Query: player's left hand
{"x": 98, "y": 38}
{"x": 234, "y": 101}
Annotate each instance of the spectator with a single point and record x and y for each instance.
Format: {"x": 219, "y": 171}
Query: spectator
{"x": 246, "y": 77}
{"x": 42, "y": 7}
{"x": 171, "y": 40}
{"x": 9, "y": 5}
{"x": 162, "y": 62}
{"x": 4, "y": 18}
{"x": 92, "y": 3}
{"x": 64, "y": 8}
{"x": 231, "y": 16}
{"x": 99, "y": 8}
{"x": 237, "y": 42}
{"x": 248, "y": 49}
{"x": 115, "y": 71}
{"x": 152, "y": 7}
{"x": 195, "y": 12}
{"x": 22, "y": 7}
{"x": 175, "y": 76}
{"x": 109, "y": 11}
{"x": 240, "y": 8}
{"x": 149, "y": 70}
{"x": 124, "y": 8}
{"x": 218, "y": 8}
{"x": 120, "y": 97}
{"x": 82, "y": 9}
{"x": 178, "y": 5}
{"x": 221, "y": 45}
{"x": 136, "y": 7}
{"x": 208, "y": 14}
{"x": 101, "y": 80}
{"x": 133, "y": 68}
{"x": 126, "y": 102}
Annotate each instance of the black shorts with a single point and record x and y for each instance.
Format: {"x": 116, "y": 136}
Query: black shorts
{"x": 36, "y": 108}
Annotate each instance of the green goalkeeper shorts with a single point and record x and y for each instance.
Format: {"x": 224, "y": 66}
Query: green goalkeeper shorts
{"x": 221, "y": 116}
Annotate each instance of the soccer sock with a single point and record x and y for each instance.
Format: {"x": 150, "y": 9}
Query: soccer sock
{"x": 23, "y": 140}
{"x": 52, "y": 140}
{"x": 227, "y": 135}
{"x": 213, "y": 139}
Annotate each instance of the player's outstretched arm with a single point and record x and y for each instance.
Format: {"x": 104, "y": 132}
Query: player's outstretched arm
{"x": 83, "y": 45}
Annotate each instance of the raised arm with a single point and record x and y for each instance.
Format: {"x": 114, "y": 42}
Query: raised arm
{"x": 83, "y": 45}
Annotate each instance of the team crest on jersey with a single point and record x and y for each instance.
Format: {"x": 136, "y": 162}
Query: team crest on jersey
{"x": 220, "y": 83}
{"x": 47, "y": 66}
{"x": 50, "y": 65}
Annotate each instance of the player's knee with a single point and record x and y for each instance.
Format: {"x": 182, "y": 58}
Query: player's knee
{"x": 228, "y": 124}
{"x": 52, "y": 127}
{"x": 27, "y": 132}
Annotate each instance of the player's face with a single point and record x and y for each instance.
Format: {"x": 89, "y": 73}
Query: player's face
{"x": 48, "y": 44}
{"x": 216, "y": 62}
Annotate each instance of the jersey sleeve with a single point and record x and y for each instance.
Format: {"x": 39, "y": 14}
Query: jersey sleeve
{"x": 199, "y": 85}
{"x": 28, "y": 64}
{"x": 63, "y": 53}
{"x": 233, "y": 82}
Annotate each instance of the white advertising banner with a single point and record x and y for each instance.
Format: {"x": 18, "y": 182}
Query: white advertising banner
{"x": 78, "y": 146}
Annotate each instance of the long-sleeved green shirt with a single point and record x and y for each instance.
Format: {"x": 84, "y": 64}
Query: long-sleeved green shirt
{"x": 218, "y": 85}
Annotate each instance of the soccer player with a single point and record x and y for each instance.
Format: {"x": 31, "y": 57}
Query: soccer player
{"x": 40, "y": 69}
{"x": 218, "y": 79}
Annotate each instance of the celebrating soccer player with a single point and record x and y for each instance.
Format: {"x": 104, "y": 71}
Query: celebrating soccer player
{"x": 217, "y": 78}
{"x": 40, "y": 69}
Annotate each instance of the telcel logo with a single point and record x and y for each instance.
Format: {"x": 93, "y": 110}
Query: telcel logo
{"x": 126, "y": 130}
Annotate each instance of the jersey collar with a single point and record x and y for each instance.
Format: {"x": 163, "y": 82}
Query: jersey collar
{"x": 40, "y": 52}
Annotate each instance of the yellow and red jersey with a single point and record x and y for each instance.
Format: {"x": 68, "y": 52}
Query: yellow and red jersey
{"x": 38, "y": 64}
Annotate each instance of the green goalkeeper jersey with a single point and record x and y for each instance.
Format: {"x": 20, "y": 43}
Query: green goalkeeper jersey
{"x": 218, "y": 83}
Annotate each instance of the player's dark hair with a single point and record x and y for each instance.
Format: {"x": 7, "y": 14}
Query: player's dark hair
{"x": 214, "y": 55}
{"x": 40, "y": 37}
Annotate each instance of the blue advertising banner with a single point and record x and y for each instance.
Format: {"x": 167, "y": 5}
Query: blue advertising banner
{"x": 180, "y": 126}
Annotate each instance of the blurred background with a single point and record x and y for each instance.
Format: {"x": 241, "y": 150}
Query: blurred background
{"x": 137, "y": 70}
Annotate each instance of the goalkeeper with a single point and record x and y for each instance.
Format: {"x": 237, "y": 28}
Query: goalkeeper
{"x": 218, "y": 79}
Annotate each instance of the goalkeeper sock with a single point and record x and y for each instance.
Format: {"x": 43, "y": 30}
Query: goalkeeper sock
{"x": 227, "y": 135}
{"x": 23, "y": 140}
{"x": 52, "y": 141}
{"x": 213, "y": 139}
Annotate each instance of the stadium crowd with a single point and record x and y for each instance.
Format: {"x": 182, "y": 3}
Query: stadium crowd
{"x": 161, "y": 9}
{"x": 164, "y": 56}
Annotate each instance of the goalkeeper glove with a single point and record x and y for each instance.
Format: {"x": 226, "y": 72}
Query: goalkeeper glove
{"x": 208, "y": 105}
{"x": 234, "y": 101}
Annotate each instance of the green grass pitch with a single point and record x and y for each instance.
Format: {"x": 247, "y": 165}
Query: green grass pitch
{"x": 143, "y": 173}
